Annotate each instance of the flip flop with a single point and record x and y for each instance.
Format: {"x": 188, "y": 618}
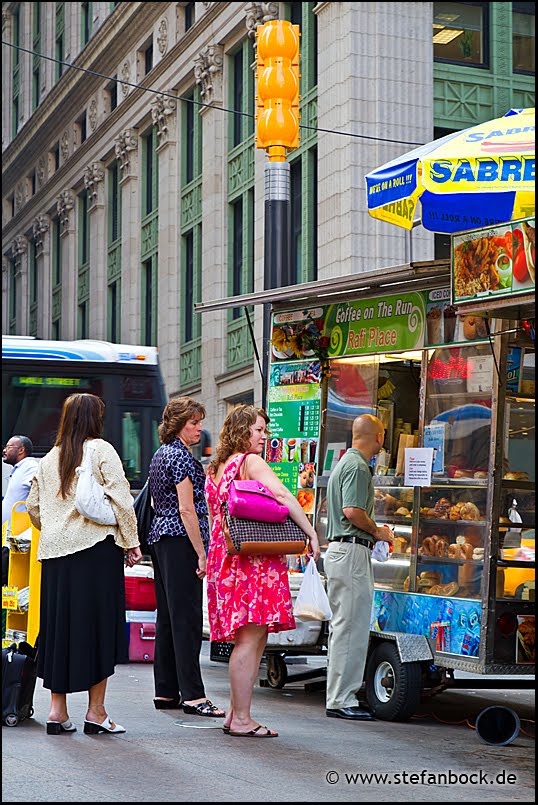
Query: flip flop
{"x": 255, "y": 733}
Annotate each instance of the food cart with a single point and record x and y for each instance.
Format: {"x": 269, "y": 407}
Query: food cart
{"x": 447, "y": 366}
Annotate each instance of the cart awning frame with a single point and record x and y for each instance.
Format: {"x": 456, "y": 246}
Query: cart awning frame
{"x": 422, "y": 276}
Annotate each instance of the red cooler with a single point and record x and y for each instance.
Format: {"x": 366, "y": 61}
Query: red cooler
{"x": 139, "y": 593}
{"x": 141, "y": 641}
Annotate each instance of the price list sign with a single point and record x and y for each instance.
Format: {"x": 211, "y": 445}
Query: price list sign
{"x": 294, "y": 407}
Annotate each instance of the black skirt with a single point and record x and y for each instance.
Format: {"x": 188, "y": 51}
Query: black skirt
{"x": 82, "y": 618}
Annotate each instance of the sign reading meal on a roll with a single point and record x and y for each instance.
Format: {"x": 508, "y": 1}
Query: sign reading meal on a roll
{"x": 497, "y": 261}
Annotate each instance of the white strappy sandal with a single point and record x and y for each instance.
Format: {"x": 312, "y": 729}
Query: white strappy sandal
{"x": 93, "y": 728}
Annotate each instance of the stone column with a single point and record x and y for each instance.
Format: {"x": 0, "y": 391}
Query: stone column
{"x": 5, "y": 291}
{"x": 66, "y": 213}
{"x": 164, "y": 116}
{"x": 19, "y": 250}
{"x": 41, "y": 233}
{"x": 7, "y": 84}
{"x": 375, "y": 79}
{"x": 94, "y": 184}
{"x": 126, "y": 146}
{"x": 208, "y": 75}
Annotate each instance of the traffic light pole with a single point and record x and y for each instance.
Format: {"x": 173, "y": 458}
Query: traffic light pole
{"x": 277, "y": 247}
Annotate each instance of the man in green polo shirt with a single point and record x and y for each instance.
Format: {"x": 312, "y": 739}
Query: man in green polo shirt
{"x": 351, "y": 533}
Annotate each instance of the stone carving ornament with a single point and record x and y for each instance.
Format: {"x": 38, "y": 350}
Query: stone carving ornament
{"x": 20, "y": 196}
{"x": 92, "y": 114}
{"x": 208, "y": 72}
{"x": 258, "y": 14}
{"x": 162, "y": 108}
{"x": 126, "y": 76}
{"x": 40, "y": 227}
{"x": 64, "y": 204}
{"x": 64, "y": 145}
{"x": 162, "y": 38}
{"x": 41, "y": 171}
{"x": 93, "y": 175}
{"x": 18, "y": 248}
{"x": 125, "y": 143}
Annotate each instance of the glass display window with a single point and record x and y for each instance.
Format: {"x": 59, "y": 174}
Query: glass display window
{"x": 457, "y": 419}
{"x": 394, "y": 506}
{"x": 519, "y": 424}
{"x": 451, "y": 540}
{"x": 387, "y": 386}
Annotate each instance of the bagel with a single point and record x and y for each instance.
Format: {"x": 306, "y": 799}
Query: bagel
{"x": 441, "y": 548}
{"x": 466, "y": 550}
{"x": 428, "y": 546}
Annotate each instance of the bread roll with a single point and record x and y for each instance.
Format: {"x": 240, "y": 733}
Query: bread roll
{"x": 469, "y": 512}
{"x": 402, "y": 512}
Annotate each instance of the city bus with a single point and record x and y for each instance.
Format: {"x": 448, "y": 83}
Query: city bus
{"x": 38, "y": 375}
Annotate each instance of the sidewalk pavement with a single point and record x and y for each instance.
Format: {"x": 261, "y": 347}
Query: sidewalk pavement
{"x": 167, "y": 756}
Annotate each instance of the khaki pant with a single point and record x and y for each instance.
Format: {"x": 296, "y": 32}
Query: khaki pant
{"x": 350, "y": 587}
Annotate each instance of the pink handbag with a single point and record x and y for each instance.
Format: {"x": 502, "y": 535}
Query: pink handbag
{"x": 251, "y": 500}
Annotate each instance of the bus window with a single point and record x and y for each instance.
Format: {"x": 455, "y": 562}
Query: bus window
{"x": 155, "y": 441}
{"x": 33, "y": 404}
{"x": 38, "y": 375}
{"x": 131, "y": 444}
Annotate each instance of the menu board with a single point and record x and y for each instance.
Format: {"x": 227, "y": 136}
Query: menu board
{"x": 496, "y": 261}
{"x": 294, "y": 408}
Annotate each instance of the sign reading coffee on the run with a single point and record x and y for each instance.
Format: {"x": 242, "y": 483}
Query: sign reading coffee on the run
{"x": 376, "y": 325}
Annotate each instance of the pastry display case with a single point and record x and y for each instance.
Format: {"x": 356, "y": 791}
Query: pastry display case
{"x": 394, "y": 506}
{"x": 451, "y": 538}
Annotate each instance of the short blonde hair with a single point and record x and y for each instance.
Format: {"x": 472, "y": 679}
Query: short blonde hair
{"x": 176, "y": 415}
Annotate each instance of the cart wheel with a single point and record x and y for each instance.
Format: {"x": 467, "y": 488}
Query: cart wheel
{"x": 393, "y": 687}
{"x": 11, "y": 720}
{"x": 277, "y": 671}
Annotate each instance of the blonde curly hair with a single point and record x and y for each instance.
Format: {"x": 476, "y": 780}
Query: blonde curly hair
{"x": 176, "y": 415}
{"x": 235, "y": 434}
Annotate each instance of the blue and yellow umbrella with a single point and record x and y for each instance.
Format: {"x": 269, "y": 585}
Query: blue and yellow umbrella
{"x": 474, "y": 178}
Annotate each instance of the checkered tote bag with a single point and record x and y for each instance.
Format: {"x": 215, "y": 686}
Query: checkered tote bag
{"x": 254, "y": 537}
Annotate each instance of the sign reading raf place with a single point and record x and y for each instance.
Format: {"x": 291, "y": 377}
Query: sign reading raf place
{"x": 376, "y": 325}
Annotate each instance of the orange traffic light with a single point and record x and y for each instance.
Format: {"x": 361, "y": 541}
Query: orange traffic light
{"x": 277, "y": 98}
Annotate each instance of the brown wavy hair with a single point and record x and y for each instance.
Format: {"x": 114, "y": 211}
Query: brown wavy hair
{"x": 82, "y": 418}
{"x": 176, "y": 415}
{"x": 235, "y": 434}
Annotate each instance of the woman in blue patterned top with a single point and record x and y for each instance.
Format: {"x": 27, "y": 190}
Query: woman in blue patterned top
{"x": 178, "y": 540}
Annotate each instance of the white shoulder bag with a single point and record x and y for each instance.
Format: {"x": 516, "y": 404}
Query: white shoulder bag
{"x": 90, "y": 499}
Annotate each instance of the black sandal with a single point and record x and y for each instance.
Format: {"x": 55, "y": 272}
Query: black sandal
{"x": 206, "y": 708}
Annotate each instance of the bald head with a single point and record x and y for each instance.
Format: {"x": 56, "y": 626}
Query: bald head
{"x": 368, "y": 434}
{"x": 366, "y": 425}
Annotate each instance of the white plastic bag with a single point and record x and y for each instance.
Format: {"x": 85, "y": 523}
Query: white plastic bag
{"x": 380, "y": 551}
{"x": 312, "y": 603}
{"x": 90, "y": 499}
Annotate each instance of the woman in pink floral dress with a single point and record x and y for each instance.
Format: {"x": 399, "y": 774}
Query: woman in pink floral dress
{"x": 248, "y": 596}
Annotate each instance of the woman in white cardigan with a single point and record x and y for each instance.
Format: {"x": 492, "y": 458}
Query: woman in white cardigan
{"x": 82, "y": 607}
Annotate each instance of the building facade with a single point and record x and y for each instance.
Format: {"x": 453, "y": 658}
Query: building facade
{"x": 132, "y": 188}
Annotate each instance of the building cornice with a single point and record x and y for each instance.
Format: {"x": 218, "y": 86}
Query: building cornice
{"x": 102, "y": 54}
{"x": 92, "y": 149}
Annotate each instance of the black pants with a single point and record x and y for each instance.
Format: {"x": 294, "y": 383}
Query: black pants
{"x": 178, "y": 635}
